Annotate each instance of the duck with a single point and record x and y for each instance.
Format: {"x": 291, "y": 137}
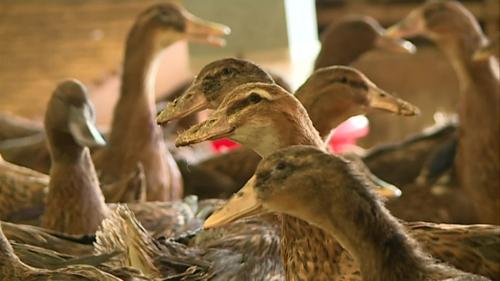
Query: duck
{"x": 69, "y": 134}
{"x": 243, "y": 71}
{"x": 346, "y": 40}
{"x": 13, "y": 269}
{"x": 328, "y": 192}
{"x": 134, "y": 138}
{"x": 13, "y": 126}
{"x": 73, "y": 184}
{"x": 23, "y": 192}
{"x": 281, "y": 120}
{"x": 458, "y": 34}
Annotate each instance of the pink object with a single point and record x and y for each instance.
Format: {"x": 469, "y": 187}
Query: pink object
{"x": 347, "y": 133}
{"x": 223, "y": 145}
{"x": 344, "y": 136}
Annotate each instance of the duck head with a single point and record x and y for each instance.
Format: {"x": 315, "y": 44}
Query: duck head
{"x": 333, "y": 94}
{"x": 211, "y": 85}
{"x": 166, "y": 23}
{"x": 70, "y": 115}
{"x": 302, "y": 181}
{"x": 441, "y": 21}
{"x": 346, "y": 40}
{"x": 261, "y": 116}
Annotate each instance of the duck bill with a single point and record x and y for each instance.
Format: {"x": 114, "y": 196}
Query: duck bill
{"x": 182, "y": 106}
{"x": 395, "y": 45}
{"x": 210, "y": 129}
{"x": 387, "y": 190}
{"x": 83, "y": 129}
{"x": 381, "y": 100}
{"x": 412, "y": 25}
{"x": 204, "y": 32}
{"x": 243, "y": 204}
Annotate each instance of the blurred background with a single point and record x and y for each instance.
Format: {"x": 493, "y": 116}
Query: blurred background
{"x": 44, "y": 42}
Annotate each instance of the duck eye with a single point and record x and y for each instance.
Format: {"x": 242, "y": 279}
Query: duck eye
{"x": 280, "y": 166}
{"x": 254, "y": 98}
{"x": 381, "y": 95}
{"x": 343, "y": 80}
{"x": 226, "y": 71}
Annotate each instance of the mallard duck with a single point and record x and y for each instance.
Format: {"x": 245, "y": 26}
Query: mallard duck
{"x": 351, "y": 100}
{"x": 134, "y": 137}
{"x": 457, "y": 33}
{"x": 280, "y": 120}
{"x": 13, "y": 269}
{"x": 347, "y": 39}
{"x": 326, "y": 191}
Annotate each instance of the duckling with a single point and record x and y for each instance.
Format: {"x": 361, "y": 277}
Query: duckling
{"x": 134, "y": 137}
{"x": 329, "y": 193}
{"x": 347, "y": 39}
{"x": 281, "y": 121}
{"x": 457, "y": 33}
{"x": 13, "y": 269}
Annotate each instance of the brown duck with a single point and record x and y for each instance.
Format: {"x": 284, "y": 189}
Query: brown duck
{"x": 280, "y": 121}
{"x": 134, "y": 137}
{"x": 457, "y": 33}
{"x": 329, "y": 193}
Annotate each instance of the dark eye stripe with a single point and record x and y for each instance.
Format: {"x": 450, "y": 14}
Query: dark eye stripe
{"x": 239, "y": 105}
{"x": 351, "y": 83}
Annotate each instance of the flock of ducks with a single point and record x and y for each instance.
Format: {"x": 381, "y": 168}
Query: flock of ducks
{"x": 121, "y": 207}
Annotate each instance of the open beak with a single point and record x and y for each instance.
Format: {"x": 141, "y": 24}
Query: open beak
{"x": 205, "y": 32}
{"x": 188, "y": 103}
{"x": 395, "y": 45}
{"x": 83, "y": 129}
{"x": 242, "y": 204}
{"x": 215, "y": 127}
{"x": 381, "y": 100}
{"x": 410, "y": 26}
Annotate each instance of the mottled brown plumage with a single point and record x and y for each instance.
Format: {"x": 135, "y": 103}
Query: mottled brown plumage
{"x": 330, "y": 193}
{"x": 13, "y": 269}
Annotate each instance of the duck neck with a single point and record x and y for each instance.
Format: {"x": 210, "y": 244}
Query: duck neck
{"x": 321, "y": 110}
{"x": 295, "y": 131}
{"x": 74, "y": 188}
{"x": 377, "y": 242}
{"x": 63, "y": 148}
{"x": 135, "y": 106}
